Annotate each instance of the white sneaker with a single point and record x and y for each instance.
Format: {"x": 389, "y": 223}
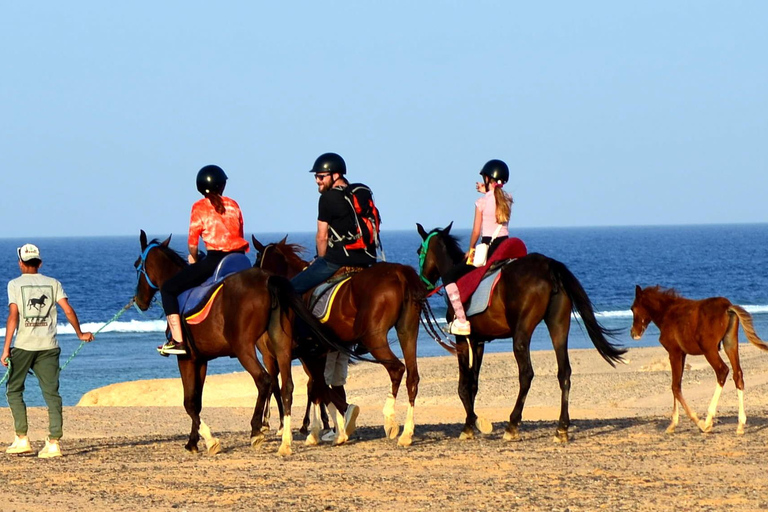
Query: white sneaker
{"x": 328, "y": 436}
{"x": 349, "y": 419}
{"x": 20, "y": 445}
{"x": 51, "y": 449}
{"x": 459, "y": 327}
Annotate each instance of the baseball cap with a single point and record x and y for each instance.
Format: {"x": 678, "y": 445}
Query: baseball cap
{"x": 28, "y": 252}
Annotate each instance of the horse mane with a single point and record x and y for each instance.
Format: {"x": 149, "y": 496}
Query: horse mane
{"x": 452, "y": 245}
{"x": 291, "y": 252}
{"x": 172, "y": 254}
{"x": 666, "y": 292}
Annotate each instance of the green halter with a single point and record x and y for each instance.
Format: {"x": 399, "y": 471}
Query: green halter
{"x": 423, "y": 257}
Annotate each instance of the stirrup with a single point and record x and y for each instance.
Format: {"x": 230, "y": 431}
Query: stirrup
{"x": 172, "y": 347}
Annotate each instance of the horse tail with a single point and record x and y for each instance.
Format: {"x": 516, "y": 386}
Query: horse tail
{"x": 749, "y": 329}
{"x": 285, "y": 298}
{"x": 582, "y": 305}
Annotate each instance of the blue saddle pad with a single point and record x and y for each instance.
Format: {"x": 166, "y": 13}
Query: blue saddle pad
{"x": 190, "y": 299}
{"x": 480, "y": 299}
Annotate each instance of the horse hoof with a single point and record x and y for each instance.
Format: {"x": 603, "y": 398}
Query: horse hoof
{"x": 391, "y": 428}
{"x": 704, "y": 427}
{"x": 405, "y": 440}
{"x": 466, "y": 434}
{"x": 280, "y": 432}
{"x": 257, "y": 440}
{"x": 670, "y": 430}
{"x": 512, "y": 437}
{"x": 265, "y": 429}
{"x": 740, "y": 429}
{"x": 484, "y": 426}
{"x": 214, "y": 447}
{"x": 285, "y": 450}
{"x": 312, "y": 440}
{"x": 561, "y": 436}
{"x": 340, "y": 439}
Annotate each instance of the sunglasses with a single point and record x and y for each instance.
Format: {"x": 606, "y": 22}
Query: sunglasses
{"x": 321, "y": 176}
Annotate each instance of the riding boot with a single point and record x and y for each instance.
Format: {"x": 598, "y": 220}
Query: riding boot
{"x": 460, "y": 324}
{"x": 175, "y": 346}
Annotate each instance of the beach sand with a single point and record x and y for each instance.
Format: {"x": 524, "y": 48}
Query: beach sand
{"x": 124, "y": 450}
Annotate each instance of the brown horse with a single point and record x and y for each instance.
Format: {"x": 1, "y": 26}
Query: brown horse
{"x": 251, "y": 307}
{"x": 531, "y": 289}
{"x": 696, "y": 327}
{"x": 366, "y": 308}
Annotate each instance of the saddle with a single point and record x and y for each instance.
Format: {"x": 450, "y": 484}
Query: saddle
{"x": 195, "y": 303}
{"x": 322, "y": 295}
{"x": 509, "y": 249}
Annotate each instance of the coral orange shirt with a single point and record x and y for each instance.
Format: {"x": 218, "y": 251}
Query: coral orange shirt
{"x": 220, "y": 232}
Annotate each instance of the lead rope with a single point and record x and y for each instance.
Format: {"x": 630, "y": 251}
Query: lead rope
{"x": 7, "y": 373}
{"x": 82, "y": 343}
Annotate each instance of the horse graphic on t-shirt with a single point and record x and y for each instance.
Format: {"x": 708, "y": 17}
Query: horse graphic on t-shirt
{"x": 37, "y": 303}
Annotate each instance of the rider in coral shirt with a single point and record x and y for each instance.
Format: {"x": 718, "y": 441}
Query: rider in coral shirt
{"x": 219, "y": 221}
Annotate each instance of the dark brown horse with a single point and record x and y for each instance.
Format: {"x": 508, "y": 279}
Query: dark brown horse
{"x": 531, "y": 289}
{"x": 252, "y": 306}
{"x": 696, "y": 327}
{"x": 366, "y": 308}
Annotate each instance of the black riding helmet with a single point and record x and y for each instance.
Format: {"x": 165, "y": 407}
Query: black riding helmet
{"x": 497, "y": 170}
{"x": 211, "y": 179}
{"x": 329, "y": 162}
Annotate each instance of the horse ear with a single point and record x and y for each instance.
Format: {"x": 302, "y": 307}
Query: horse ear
{"x": 638, "y": 290}
{"x": 256, "y": 244}
{"x": 284, "y": 240}
{"x": 167, "y": 241}
{"x": 143, "y": 240}
{"x": 448, "y": 228}
{"x": 421, "y": 231}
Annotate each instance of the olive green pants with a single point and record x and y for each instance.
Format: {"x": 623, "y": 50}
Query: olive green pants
{"x": 45, "y": 365}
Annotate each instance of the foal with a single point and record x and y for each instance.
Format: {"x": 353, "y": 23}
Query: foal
{"x": 696, "y": 327}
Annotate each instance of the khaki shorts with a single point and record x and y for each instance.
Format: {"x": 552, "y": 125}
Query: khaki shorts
{"x": 336, "y": 366}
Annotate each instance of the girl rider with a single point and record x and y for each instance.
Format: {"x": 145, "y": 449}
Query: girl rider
{"x": 219, "y": 221}
{"x": 491, "y": 222}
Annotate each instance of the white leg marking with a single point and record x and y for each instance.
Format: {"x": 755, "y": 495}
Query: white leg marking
{"x": 285, "y": 446}
{"x": 341, "y": 430}
{"x": 712, "y": 408}
{"x": 212, "y": 444}
{"x": 407, "y": 436}
{"x": 314, "y": 427}
{"x": 391, "y": 428}
{"x": 742, "y": 414}
{"x": 675, "y": 416}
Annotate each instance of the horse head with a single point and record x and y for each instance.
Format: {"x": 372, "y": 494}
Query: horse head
{"x": 640, "y": 315}
{"x": 280, "y": 258}
{"x": 439, "y": 252}
{"x": 156, "y": 263}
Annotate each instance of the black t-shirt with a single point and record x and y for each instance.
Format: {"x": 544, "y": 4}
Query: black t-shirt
{"x": 334, "y": 209}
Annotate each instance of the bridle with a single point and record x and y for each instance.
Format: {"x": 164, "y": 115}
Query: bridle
{"x": 431, "y": 288}
{"x": 142, "y": 268}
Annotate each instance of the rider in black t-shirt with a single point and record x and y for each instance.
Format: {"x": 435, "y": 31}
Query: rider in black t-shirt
{"x": 335, "y": 224}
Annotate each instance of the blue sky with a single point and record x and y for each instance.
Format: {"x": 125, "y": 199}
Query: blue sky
{"x": 608, "y": 113}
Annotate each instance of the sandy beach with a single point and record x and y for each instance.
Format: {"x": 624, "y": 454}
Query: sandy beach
{"x": 123, "y": 446}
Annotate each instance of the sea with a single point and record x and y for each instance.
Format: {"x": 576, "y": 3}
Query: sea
{"x": 98, "y": 275}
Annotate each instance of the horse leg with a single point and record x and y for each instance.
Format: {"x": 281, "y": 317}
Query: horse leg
{"x": 407, "y": 332}
{"x": 558, "y": 326}
{"x": 270, "y": 365}
{"x": 677, "y": 364}
{"x": 315, "y": 395}
{"x": 467, "y": 384}
{"x": 521, "y": 344}
{"x": 731, "y": 347}
{"x": 380, "y": 350}
{"x": 721, "y": 372}
{"x": 281, "y": 337}
{"x": 192, "y": 378}
{"x": 247, "y": 357}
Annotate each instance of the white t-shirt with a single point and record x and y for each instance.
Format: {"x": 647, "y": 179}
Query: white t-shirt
{"x": 36, "y": 296}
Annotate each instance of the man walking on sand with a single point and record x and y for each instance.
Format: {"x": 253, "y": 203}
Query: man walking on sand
{"x": 32, "y": 314}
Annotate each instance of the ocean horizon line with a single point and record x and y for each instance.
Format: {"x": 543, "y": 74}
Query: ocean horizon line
{"x": 281, "y": 233}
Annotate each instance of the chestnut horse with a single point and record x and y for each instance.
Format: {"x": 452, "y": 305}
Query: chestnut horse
{"x": 531, "y": 289}
{"x": 365, "y": 309}
{"x": 696, "y": 327}
{"x": 250, "y": 305}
